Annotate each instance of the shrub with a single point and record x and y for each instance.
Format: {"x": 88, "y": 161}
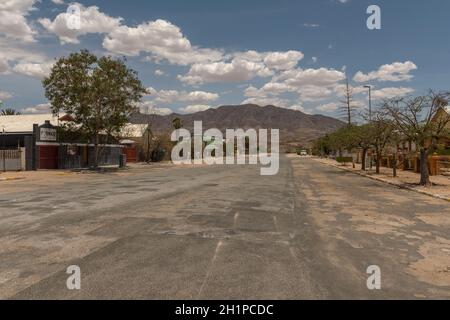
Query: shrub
{"x": 344, "y": 159}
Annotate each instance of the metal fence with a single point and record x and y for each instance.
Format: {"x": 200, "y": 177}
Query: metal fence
{"x": 444, "y": 167}
{"x": 11, "y": 160}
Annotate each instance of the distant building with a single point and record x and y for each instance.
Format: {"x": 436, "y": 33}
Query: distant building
{"x": 443, "y": 113}
{"x": 36, "y": 136}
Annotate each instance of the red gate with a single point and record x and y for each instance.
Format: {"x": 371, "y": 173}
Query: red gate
{"x": 131, "y": 153}
{"x": 48, "y": 157}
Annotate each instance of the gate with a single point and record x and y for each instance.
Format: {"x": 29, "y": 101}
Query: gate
{"x": 131, "y": 153}
{"x": 10, "y": 160}
{"x": 48, "y": 157}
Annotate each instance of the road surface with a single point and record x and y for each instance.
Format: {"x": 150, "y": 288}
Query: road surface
{"x": 222, "y": 232}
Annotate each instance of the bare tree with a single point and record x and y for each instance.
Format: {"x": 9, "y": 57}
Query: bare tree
{"x": 419, "y": 119}
{"x": 347, "y": 109}
{"x": 382, "y": 130}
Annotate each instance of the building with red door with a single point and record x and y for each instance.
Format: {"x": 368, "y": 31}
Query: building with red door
{"x": 37, "y": 138}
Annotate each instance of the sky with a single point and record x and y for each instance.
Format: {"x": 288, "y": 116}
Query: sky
{"x": 199, "y": 54}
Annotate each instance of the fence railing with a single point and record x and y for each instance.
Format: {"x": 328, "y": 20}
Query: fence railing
{"x": 10, "y": 154}
{"x": 11, "y": 160}
{"x": 443, "y": 167}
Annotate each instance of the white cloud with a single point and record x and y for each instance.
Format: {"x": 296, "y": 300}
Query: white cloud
{"x": 341, "y": 89}
{"x": 242, "y": 66}
{"x": 92, "y": 21}
{"x": 397, "y": 71}
{"x": 58, "y": 1}
{"x": 148, "y": 107}
{"x": 171, "y": 96}
{"x": 311, "y": 25}
{"x": 265, "y": 101}
{"x": 314, "y": 93}
{"x": 283, "y": 60}
{"x": 388, "y": 93}
{"x": 309, "y": 84}
{"x": 4, "y": 66}
{"x": 13, "y": 51}
{"x": 298, "y": 108}
{"x": 161, "y": 39}
{"x": 37, "y": 109}
{"x": 26, "y": 61}
{"x": 311, "y": 77}
{"x": 238, "y": 70}
{"x": 194, "y": 108}
{"x": 35, "y": 70}
{"x": 13, "y": 22}
{"x": 277, "y": 102}
{"x": 270, "y": 88}
{"x": 328, "y": 107}
{"x": 159, "y": 72}
{"x": 5, "y": 95}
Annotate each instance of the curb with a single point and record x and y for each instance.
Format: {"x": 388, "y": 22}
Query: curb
{"x": 400, "y": 186}
{"x": 11, "y": 178}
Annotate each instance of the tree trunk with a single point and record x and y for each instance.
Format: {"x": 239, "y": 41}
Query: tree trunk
{"x": 378, "y": 162}
{"x": 147, "y": 157}
{"x": 96, "y": 151}
{"x": 363, "y": 159}
{"x": 424, "y": 174}
{"x": 394, "y": 166}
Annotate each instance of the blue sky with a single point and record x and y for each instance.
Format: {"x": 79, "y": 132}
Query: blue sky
{"x": 198, "y": 54}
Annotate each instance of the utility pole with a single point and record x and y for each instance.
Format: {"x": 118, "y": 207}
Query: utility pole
{"x": 370, "y": 101}
{"x": 3, "y": 149}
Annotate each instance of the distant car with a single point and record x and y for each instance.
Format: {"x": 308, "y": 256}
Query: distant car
{"x": 303, "y": 153}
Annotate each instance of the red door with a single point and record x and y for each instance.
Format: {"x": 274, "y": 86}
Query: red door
{"x": 131, "y": 154}
{"x": 48, "y": 157}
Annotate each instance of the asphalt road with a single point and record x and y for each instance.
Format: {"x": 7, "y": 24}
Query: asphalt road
{"x": 223, "y": 232}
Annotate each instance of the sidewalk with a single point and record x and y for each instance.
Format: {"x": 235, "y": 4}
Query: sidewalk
{"x": 405, "y": 179}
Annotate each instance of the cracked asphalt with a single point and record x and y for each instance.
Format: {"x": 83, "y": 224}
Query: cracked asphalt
{"x": 222, "y": 232}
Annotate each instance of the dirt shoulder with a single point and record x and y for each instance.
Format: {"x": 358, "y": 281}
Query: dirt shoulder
{"x": 405, "y": 179}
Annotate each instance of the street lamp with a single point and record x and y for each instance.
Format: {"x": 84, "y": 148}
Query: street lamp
{"x": 3, "y": 149}
{"x": 370, "y": 101}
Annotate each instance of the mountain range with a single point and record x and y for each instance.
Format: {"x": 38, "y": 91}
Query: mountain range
{"x": 296, "y": 128}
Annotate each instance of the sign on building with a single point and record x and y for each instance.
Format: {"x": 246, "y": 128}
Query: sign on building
{"x": 47, "y": 134}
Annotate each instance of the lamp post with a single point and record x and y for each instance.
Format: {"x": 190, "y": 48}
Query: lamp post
{"x": 3, "y": 149}
{"x": 370, "y": 101}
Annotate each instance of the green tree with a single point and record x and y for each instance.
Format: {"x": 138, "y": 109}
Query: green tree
{"x": 8, "y": 111}
{"x": 99, "y": 93}
{"x": 177, "y": 123}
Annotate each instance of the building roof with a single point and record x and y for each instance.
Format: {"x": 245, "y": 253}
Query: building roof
{"x": 133, "y": 130}
{"x": 24, "y": 123}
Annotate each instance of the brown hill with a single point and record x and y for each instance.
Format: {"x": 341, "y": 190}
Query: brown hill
{"x": 296, "y": 128}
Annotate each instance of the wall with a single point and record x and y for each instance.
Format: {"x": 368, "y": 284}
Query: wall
{"x": 83, "y": 156}
{"x": 10, "y": 160}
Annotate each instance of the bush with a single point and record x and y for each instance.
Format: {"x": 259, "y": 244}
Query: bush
{"x": 443, "y": 152}
{"x": 344, "y": 159}
{"x": 158, "y": 155}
